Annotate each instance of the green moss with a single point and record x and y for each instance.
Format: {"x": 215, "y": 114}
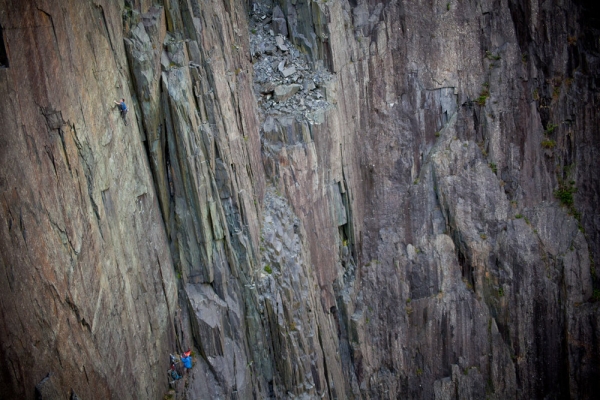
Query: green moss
{"x": 556, "y": 92}
{"x": 550, "y": 128}
{"x": 564, "y": 194}
{"x": 490, "y": 56}
{"x": 483, "y": 96}
{"x": 548, "y": 143}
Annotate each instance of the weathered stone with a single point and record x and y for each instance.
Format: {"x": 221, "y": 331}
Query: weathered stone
{"x": 288, "y": 71}
{"x": 410, "y": 244}
{"x": 269, "y": 49}
{"x": 268, "y": 87}
{"x": 279, "y": 22}
{"x": 280, "y": 43}
{"x": 308, "y": 86}
{"x": 284, "y": 92}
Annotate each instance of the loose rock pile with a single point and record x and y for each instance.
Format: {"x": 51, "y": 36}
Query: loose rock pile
{"x": 284, "y": 80}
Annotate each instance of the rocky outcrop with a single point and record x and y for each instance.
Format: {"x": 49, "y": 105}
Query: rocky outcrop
{"x": 333, "y": 199}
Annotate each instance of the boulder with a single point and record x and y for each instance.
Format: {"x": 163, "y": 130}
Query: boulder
{"x": 279, "y": 23}
{"x": 284, "y": 92}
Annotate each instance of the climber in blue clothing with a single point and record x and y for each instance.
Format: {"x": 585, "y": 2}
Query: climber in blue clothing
{"x": 123, "y": 108}
{"x": 186, "y": 359}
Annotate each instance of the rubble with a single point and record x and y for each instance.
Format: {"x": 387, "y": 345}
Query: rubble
{"x": 284, "y": 81}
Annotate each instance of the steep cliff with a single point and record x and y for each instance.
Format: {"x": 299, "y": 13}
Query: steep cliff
{"x": 338, "y": 199}
{"x": 88, "y": 288}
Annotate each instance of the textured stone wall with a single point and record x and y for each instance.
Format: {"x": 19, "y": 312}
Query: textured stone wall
{"x": 87, "y": 290}
{"x": 331, "y": 199}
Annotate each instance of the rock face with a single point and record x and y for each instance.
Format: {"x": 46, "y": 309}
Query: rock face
{"x": 88, "y": 290}
{"x": 332, "y": 199}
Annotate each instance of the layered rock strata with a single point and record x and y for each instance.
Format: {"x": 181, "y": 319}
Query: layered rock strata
{"x": 331, "y": 199}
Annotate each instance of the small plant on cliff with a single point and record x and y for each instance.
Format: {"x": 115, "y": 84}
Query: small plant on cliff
{"x": 564, "y": 194}
{"x": 484, "y": 95}
{"x": 596, "y": 295}
{"x": 500, "y": 292}
{"x": 519, "y": 216}
{"x": 268, "y": 269}
{"x": 493, "y": 167}
{"x": 448, "y": 6}
{"x": 419, "y": 372}
{"x": 550, "y": 128}
{"x": 556, "y": 92}
{"x": 467, "y": 284}
{"x": 490, "y": 56}
{"x": 548, "y": 143}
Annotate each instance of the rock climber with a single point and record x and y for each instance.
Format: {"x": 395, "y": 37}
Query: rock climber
{"x": 173, "y": 373}
{"x": 123, "y": 108}
{"x": 186, "y": 359}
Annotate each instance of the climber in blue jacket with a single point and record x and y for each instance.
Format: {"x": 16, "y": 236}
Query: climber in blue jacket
{"x": 186, "y": 359}
{"x": 123, "y": 108}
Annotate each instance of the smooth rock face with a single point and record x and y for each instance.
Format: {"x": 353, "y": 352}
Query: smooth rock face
{"x": 337, "y": 199}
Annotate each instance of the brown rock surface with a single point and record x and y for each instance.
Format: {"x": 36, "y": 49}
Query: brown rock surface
{"x": 389, "y": 230}
{"x": 87, "y": 292}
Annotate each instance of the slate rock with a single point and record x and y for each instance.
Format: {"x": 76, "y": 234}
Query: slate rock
{"x": 284, "y": 92}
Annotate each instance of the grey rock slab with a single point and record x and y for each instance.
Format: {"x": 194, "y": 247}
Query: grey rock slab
{"x": 289, "y": 71}
{"x": 284, "y": 92}
{"x": 281, "y": 43}
{"x": 309, "y": 85}
{"x": 279, "y": 22}
{"x": 280, "y": 65}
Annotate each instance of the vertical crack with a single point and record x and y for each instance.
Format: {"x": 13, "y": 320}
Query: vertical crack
{"x": 3, "y": 53}
{"x": 53, "y": 27}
